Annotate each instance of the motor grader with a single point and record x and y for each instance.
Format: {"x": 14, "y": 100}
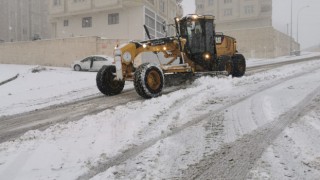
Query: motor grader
{"x": 195, "y": 50}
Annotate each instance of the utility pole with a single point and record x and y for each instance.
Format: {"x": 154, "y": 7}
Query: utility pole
{"x": 291, "y": 32}
{"x": 30, "y": 20}
{"x": 298, "y": 21}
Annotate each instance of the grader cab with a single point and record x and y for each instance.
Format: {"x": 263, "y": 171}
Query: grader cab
{"x": 196, "y": 49}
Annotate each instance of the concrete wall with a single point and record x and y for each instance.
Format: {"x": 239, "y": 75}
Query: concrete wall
{"x": 265, "y": 42}
{"x": 58, "y": 52}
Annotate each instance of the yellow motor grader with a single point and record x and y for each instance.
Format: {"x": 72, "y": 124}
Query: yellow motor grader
{"x": 195, "y": 50}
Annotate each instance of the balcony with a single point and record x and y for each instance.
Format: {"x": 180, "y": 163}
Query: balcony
{"x": 78, "y": 6}
{"x": 104, "y": 3}
{"x": 56, "y": 9}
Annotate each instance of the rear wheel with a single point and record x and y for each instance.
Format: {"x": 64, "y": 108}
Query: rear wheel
{"x": 239, "y": 65}
{"x": 106, "y": 82}
{"x": 225, "y": 64}
{"x": 77, "y": 68}
{"x": 149, "y": 80}
{"x": 229, "y": 67}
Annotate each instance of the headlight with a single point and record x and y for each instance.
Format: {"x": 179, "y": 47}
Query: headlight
{"x": 126, "y": 57}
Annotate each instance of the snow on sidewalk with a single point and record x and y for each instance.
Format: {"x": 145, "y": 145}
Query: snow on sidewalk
{"x": 50, "y": 86}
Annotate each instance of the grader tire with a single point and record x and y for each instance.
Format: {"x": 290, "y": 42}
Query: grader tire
{"x": 226, "y": 64}
{"x": 239, "y": 65}
{"x": 106, "y": 83}
{"x": 149, "y": 81}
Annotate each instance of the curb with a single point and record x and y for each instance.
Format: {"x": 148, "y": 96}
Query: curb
{"x": 8, "y": 80}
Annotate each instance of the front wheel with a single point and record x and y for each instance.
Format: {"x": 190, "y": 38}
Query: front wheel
{"x": 106, "y": 82}
{"x": 149, "y": 80}
{"x": 239, "y": 65}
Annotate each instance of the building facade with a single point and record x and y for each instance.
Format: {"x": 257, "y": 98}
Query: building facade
{"x": 23, "y": 20}
{"x": 112, "y": 19}
{"x": 250, "y": 22}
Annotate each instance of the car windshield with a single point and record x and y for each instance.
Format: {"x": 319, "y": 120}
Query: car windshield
{"x": 100, "y": 59}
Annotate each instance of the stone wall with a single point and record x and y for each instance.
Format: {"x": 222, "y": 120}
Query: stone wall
{"x": 58, "y": 52}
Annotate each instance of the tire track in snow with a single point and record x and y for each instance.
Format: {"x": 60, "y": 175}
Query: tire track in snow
{"x": 235, "y": 160}
{"x": 14, "y": 126}
{"x": 136, "y": 150}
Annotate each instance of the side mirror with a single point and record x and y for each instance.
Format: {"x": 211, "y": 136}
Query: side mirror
{"x": 147, "y": 31}
{"x": 164, "y": 28}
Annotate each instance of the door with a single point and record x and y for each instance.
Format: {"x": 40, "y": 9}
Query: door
{"x": 98, "y": 62}
{"x": 85, "y": 64}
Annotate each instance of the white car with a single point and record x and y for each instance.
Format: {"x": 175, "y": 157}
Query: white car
{"x": 92, "y": 63}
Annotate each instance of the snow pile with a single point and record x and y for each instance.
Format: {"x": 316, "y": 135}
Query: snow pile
{"x": 38, "y": 69}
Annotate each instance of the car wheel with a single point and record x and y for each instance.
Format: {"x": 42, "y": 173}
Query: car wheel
{"x": 77, "y": 68}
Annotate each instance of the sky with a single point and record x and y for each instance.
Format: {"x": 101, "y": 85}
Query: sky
{"x": 309, "y": 18}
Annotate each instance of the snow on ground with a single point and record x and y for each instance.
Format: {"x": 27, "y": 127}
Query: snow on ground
{"x": 51, "y": 86}
{"x": 257, "y": 62}
{"x": 32, "y": 91}
{"x": 67, "y": 151}
{"x": 167, "y": 158}
{"x": 295, "y": 154}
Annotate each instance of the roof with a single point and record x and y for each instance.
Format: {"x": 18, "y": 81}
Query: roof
{"x": 196, "y": 16}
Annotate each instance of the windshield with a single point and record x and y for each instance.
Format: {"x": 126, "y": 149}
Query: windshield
{"x": 195, "y": 36}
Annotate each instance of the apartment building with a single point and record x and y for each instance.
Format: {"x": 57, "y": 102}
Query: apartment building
{"x": 23, "y": 20}
{"x": 112, "y": 19}
{"x": 237, "y": 14}
{"x": 250, "y": 21}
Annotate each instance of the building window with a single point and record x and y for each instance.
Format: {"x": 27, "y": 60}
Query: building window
{"x": 210, "y": 2}
{"x": 227, "y": 1}
{"x": 56, "y": 2}
{"x": 200, "y": 6}
{"x": 266, "y": 8}
{"x": 228, "y": 12}
{"x": 154, "y": 23}
{"x": 160, "y": 30}
{"x": 87, "y": 22}
{"x": 66, "y": 23}
{"x": 151, "y": 1}
{"x": 248, "y": 9}
{"x": 113, "y": 18}
{"x": 162, "y": 6}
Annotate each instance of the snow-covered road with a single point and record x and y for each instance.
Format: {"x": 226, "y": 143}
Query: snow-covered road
{"x": 215, "y": 128}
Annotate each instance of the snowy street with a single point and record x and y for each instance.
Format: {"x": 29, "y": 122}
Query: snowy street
{"x": 264, "y": 125}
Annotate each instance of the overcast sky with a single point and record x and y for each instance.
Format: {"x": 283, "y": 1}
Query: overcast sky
{"x": 309, "y": 18}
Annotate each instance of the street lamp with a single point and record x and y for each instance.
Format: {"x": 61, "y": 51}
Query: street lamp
{"x": 298, "y": 20}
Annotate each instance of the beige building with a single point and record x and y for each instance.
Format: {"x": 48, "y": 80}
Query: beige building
{"x": 112, "y": 19}
{"x": 250, "y": 21}
{"x": 23, "y": 20}
{"x": 86, "y": 27}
